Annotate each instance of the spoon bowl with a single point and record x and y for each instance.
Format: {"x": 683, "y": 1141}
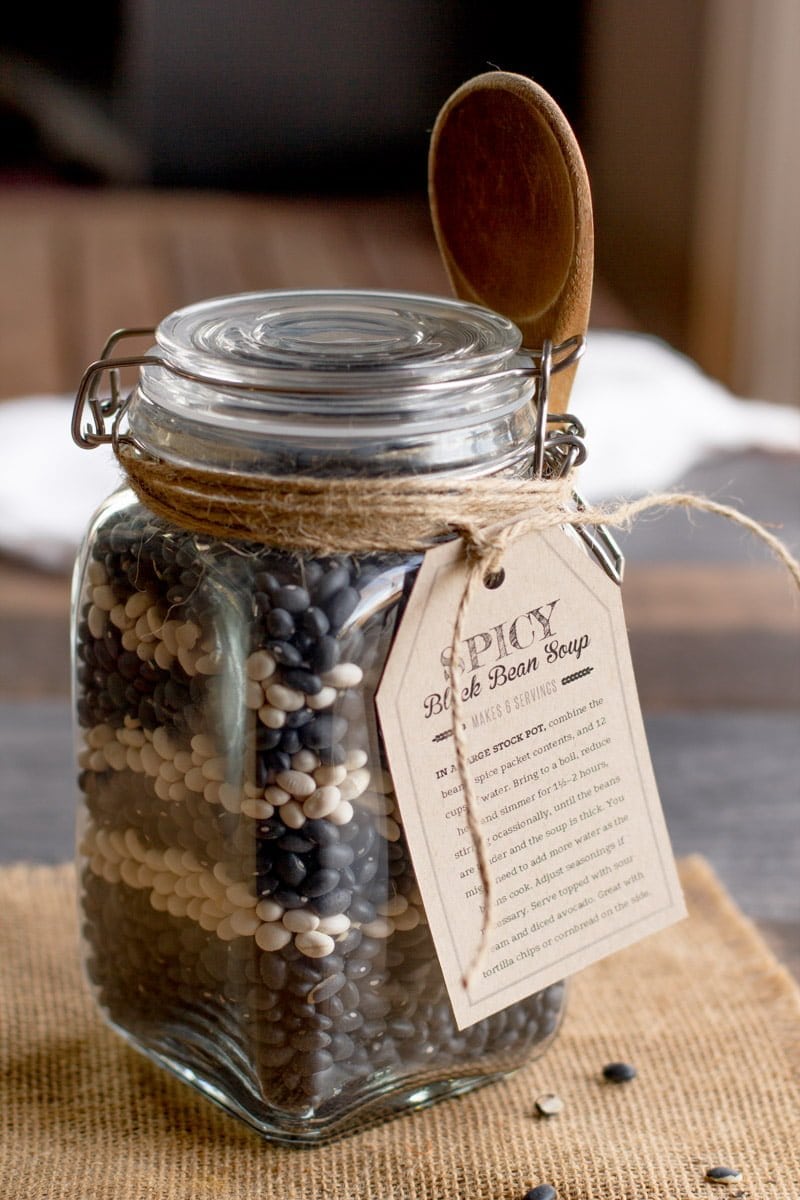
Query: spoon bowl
{"x": 512, "y": 211}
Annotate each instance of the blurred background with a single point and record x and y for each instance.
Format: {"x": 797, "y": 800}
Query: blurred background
{"x": 686, "y": 110}
{"x": 157, "y": 152}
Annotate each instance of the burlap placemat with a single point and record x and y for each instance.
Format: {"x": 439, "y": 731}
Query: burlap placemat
{"x": 708, "y": 1016}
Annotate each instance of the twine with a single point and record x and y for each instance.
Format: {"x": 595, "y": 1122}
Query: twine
{"x": 404, "y": 513}
{"x": 353, "y": 515}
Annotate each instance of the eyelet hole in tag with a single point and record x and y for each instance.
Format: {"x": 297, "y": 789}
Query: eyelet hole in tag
{"x": 562, "y": 790}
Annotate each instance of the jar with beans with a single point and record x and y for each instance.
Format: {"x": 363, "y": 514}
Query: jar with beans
{"x": 251, "y": 916}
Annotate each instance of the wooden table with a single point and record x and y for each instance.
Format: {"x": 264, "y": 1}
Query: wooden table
{"x": 713, "y": 625}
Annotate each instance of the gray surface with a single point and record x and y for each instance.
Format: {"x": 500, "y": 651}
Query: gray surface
{"x": 37, "y": 789}
{"x": 730, "y": 786}
{"x": 764, "y": 486}
{"x": 728, "y": 782}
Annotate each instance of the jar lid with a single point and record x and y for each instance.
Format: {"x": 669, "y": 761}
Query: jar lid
{"x": 335, "y": 380}
{"x": 335, "y": 341}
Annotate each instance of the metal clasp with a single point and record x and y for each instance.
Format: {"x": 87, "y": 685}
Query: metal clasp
{"x": 601, "y": 543}
{"x": 113, "y": 406}
{"x": 556, "y": 452}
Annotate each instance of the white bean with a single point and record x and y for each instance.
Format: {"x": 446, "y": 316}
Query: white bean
{"x": 244, "y": 922}
{"x": 315, "y": 944}
{"x": 343, "y": 675}
{"x": 330, "y": 774}
{"x": 381, "y": 927}
{"x": 260, "y": 665}
{"x": 273, "y": 718}
{"x": 300, "y": 920}
{"x": 338, "y": 923}
{"x": 292, "y": 815}
{"x": 269, "y": 910}
{"x": 96, "y": 620}
{"x": 322, "y": 802}
{"x": 256, "y": 808}
{"x": 272, "y": 936}
{"x": 281, "y": 696}
{"x": 297, "y": 783}
{"x": 276, "y": 795}
{"x": 305, "y": 760}
{"x": 103, "y": 597}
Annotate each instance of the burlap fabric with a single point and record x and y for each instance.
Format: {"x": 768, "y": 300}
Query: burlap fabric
{"x": 708, "y": 1016}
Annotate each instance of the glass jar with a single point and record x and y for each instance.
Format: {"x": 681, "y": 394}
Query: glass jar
{"x": 250, "y": 913}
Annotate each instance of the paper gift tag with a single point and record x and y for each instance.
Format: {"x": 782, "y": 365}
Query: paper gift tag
{"x": 564, "y": 787}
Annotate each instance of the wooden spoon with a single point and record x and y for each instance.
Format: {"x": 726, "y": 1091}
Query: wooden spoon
{"x": 512, "y": 210}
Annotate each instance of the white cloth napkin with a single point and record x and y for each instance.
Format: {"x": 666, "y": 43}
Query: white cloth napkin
{"x": 650, "y": 415}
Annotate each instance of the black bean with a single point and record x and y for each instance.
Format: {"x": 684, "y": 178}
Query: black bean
{"x": 331, "y": 756}
{"x": 304, "y": 642}
{"x": 295, "y": 843}
{"x": 272, "y": 828}
{"x": 350, "y": 942}
{"x": 266, "y": 582}
{"x": 332, "y": 903}
{"x": 324, "y": 654}
{"x": 290, "y": 741}
{"x": 333, "y": 1008}
{"x": 371, "y": 947}
{"x": 285, "y": 653}
{"x": 315, "y": 623}
{"x": 401, "y": 1029}
{"x": 288, "y": 898}
{"x": 542, "y": 1191}
{"x": 301, "y": 679}
{"x": 313, "y": 1039}
{"x": 340, "y": 606}
{"x": 326, "y": 988}
{"x": 323, "y": 832}
{"x": 300, "y": 987}
{"x": 363, "y": 837}
{"x": 339, "y": 855}
{"x": 341, "y": 1047}
{"x": 336, "y": 578}
{"x": 619, "y": 1072}
{"x": 306, "y": 969}
{"x": 300, "y": 716}
{"x": 349, "y": 995}
{"x": 292, "y": 597}
{"x": 325, "y": 730}
{"x": 267, "y": 739}
{"x": 280, "y": 624}
{"x": 320, "y": 883}
{"x": 272, "y": 1035}
{"x": 723, "y": 1174}
{"x": 357, "y": 968}
{"x": 279, "y": 760}
{"x": 366, "y": 869}
{"x": 361, "y": 910}
{"x": 129, "y": 664}
{"x": 279, "y": 1056}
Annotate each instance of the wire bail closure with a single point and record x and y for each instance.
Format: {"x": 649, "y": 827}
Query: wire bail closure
{"x": 556, "y": 451}
{"x": 545, "y": 362}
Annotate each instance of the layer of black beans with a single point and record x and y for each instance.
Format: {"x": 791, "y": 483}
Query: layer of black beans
{"x": 279, "y": 1031}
